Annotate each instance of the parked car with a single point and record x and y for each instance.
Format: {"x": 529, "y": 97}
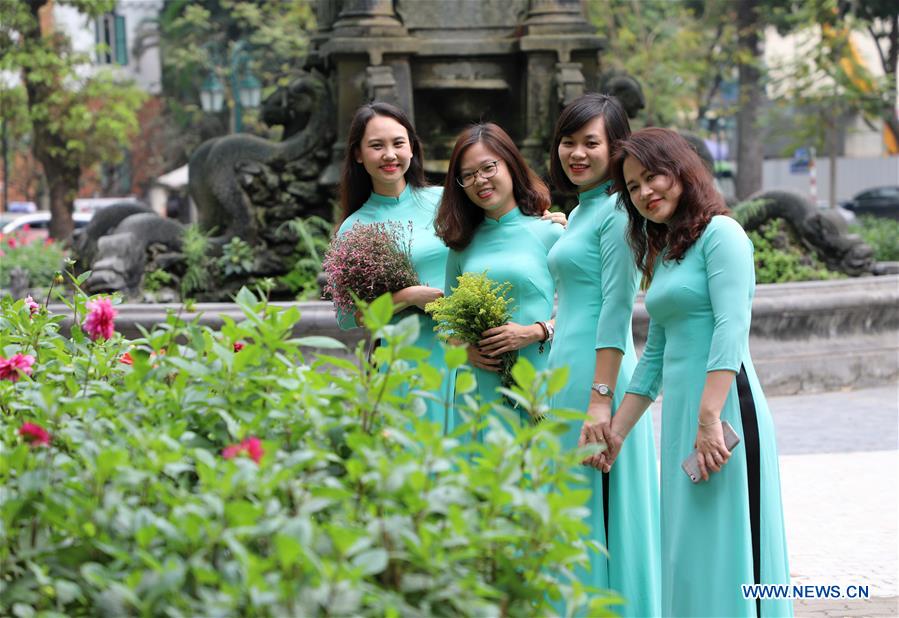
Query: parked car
{"x": 37, "y": 225}
{"x": 880, "y": 201}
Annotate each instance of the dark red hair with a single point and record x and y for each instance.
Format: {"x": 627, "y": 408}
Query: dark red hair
{"x": 663, "y": 151}
{"x": 458, "y": 218}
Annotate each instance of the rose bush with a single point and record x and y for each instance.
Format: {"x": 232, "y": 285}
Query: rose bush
{"x": 215, "y": 479}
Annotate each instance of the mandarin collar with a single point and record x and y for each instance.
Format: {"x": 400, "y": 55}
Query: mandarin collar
{"x": 595, "y": 192}
{"x": 510, "y": 217}
{"x": 386, "y": 200}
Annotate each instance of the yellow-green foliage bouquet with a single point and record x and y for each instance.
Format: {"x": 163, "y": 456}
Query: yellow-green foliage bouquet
{"x": 476, "y": 304}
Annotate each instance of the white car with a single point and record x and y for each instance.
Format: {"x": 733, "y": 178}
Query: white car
{"x": 37, "y": 225}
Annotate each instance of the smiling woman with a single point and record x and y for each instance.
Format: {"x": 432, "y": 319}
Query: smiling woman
{"x": 490, "y": 219}
{"x": 383, "y": 181}
{"x": 727, "y": 529}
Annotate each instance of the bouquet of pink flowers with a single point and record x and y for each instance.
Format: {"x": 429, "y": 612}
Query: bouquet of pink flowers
{"x": 367, "y": 261}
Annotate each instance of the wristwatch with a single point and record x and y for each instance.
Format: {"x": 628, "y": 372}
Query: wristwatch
{"x": 604, "y": 390}
{"x": 550, "y": 330}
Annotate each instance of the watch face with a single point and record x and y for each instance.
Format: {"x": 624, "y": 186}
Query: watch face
{"x": 602, "y": 389}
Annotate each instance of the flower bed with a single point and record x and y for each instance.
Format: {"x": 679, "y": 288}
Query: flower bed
{"x": 234, "y": 472}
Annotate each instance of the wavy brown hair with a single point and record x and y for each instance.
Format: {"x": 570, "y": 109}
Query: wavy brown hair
{"x": 458, "y": 217}
{"x": 663, "y": 151}
{"x": 355, "y": 182}
{"x": 572, "y": 119}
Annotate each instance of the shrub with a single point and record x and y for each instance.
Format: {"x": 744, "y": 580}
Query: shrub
{"x": 40, "y": 259}
{"x": 313, "y": 237}
{"x": 880, "y": 234}
{"x": 199, "y": 267}
{"x": 780, "y": 258}
{"x": 237, "y": 258}
{"x": 194, "y": 472}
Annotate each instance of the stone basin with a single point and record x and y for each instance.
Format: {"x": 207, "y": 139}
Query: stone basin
{"x": 805, "y": 337}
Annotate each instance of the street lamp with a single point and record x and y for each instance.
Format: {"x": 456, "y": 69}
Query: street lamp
{"x": 246, "y": 89}
{"x": 212, "y": 94}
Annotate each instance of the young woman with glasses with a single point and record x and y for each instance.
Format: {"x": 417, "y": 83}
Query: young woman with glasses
{"x": 490, "y": 218}
{"x": 727, "y": 529}
{"x": 596, "y": 282}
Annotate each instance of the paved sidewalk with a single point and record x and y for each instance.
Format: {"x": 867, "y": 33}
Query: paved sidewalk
{"x": 839, "y": 464}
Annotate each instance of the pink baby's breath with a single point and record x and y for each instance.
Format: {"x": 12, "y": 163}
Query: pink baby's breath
{"x": 368, "y": 260}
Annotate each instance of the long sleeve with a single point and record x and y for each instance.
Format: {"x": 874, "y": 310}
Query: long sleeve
{"x": 453, "y": 270}
{"x": 619, "y": 283}
{"x": 731, "y": 275}
{"x": 647, "y": 378}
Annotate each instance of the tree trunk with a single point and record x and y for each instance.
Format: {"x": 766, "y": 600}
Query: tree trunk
{"x": 63, "y": 188}
{"x": 749, "y": 140}
{"x": 62, "y": 179}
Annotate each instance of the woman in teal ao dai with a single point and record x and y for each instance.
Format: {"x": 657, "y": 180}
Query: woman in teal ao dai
{"x": 490, "y": 217}
{"x": 383, "y": 181}
{"x": 727, "y": 529}
{"x": 596, "y": 282}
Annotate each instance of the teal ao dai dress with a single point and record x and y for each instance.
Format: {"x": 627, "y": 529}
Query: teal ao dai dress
{"x": 511, "y": 249}
{"x": 418, "y": 207}
{"x": 729, "y": 531}
{"x": 596, "y": 282}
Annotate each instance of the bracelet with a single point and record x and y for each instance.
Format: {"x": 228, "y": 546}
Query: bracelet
{"x": 545, "y": 336}
{"x": 715, "y": 422}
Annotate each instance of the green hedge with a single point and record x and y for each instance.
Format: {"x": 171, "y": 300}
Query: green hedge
{"x": 357, "y": 506}
{"x": 881, "y": 234}
{"x": 780, "y": 258}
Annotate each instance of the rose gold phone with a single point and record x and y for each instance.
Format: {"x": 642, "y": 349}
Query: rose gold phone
{"x": 691, "y": 465}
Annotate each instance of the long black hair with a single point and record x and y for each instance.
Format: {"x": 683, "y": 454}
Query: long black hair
{"x": 355, "y": 182}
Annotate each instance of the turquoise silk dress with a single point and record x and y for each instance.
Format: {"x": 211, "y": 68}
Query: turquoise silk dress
{"x": 729, "y": 531}
{"x": 596, "y": 282}
{"x": 512, "y": 249}
{"x": 418, "y": 206}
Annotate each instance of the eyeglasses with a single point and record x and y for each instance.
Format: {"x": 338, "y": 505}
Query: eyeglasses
{"x": 488, "y": 170}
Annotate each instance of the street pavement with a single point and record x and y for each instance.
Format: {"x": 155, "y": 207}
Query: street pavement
{"x": 839, "y": 465}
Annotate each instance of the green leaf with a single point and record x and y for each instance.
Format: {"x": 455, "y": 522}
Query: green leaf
{"x": 371, "y": 561}
{"x": 323, "y": 343}
{"x": 557, "y": 380}
{"x": 524, "y": 373}
{"x": 377, "y": 315}
{"x": 455, "y": 356}
{"x": 465, "y": 382}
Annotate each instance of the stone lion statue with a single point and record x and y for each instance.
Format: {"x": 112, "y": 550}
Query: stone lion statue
{"x": 223, "y": 207}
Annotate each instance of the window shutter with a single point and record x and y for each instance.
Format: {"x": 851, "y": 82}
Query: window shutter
{"x": 121, "y": 43}
{"x": 98, "y": 29}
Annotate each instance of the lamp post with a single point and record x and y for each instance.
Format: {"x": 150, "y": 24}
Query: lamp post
{"x": 246, "y": 89}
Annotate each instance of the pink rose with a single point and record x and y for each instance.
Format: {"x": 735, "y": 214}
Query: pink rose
{"x": 10, "y": 367}
{"x": 34, "y": 434}
{"x": 251, "y": 446}
{"x": 33, "y": 307}
{"x": 100, "y": 321}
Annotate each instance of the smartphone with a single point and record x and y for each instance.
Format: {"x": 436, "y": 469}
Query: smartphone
{"x": 691, "y": 466}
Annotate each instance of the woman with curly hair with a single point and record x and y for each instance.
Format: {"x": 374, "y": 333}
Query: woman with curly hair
{"x": 726, "y": 529}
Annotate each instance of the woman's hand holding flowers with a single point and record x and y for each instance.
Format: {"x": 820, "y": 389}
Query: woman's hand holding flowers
{"x": 508, "y": 338}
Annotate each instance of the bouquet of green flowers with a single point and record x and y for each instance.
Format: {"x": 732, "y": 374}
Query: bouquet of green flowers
{"x": 369, "y": 260}
{"x": 476, "y": 304}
